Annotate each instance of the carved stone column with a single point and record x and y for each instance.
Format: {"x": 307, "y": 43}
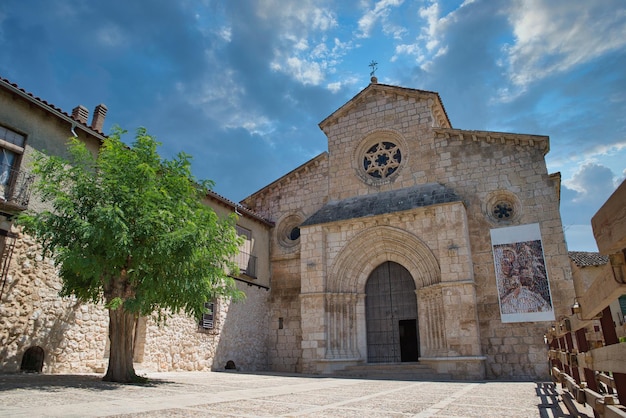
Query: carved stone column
{"x": 432, "y": 325}
{"x": 341, "y": 341}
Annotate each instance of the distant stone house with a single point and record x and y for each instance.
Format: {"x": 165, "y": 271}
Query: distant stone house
{"x": 41, "y": 331}
{"x": 586, "y": 267}
{"x": 407, "y": 242}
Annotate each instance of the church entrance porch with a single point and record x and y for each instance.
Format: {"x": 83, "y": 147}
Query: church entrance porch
{"x": 391, "y": 315}
{"x": 382, "y": 300}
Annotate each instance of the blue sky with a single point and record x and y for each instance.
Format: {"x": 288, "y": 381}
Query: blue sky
{"x": 241, "y": 85}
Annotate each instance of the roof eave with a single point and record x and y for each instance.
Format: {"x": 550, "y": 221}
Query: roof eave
{"x": 13, "y": 88}
{"x": 386, "y": 87}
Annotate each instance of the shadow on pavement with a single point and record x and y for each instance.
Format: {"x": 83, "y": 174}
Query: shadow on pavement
{"x": 53, "y": 382}
{"x": 551, "y": 404}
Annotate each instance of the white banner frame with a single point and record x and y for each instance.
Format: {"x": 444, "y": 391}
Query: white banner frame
{"x": 518, "y": 259}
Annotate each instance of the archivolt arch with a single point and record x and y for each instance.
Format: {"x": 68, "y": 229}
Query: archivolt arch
{"x": 373, "y": 247}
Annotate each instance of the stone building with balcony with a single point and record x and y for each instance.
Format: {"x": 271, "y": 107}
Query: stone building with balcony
{"x": 40, "y": 331}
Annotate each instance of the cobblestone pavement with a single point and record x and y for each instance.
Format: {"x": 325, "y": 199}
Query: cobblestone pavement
{"x": 216, "y": 394}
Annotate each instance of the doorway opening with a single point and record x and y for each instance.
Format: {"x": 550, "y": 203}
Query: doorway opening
{"x": 32, "y": 360}
{"x": 391, "y": 315}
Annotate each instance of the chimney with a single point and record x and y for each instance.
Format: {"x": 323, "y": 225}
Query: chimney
{"x": 98, "y": 117}
{"x": 80, "y": 113}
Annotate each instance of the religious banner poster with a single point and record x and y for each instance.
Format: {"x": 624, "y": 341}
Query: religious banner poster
{"x": 521, "y": 275}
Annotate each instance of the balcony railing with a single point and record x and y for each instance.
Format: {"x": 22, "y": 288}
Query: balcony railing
{"x": 247, "y": 264}
{"x": 16, "y": 190}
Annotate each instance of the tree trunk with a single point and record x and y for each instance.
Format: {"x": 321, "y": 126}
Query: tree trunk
{"x": 121, "y": 368}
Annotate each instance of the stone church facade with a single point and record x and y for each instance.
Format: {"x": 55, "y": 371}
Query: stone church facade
{"x": 382, "y": 250}
{"x": 407, "y": 241}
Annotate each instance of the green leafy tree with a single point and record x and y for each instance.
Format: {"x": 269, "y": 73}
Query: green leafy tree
{"x": 130, "y": 229}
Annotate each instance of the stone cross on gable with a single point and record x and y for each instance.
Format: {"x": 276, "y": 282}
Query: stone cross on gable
{"x": 374, "y": 66}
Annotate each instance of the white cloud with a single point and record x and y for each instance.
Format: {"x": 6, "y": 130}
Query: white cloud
{"x": 378, "y": 13}
{"x": 301, "y": 44}
{"x": 302, "y": 49}
{"x": 347, "y": 81}
{"x": 226, "y": 33}
{"x": 297, "y": 15}
{"x": 552, "y": 36}
{"x": 221, "y": 99}
{"x": 428, "y": 44}
{"x": 430, "y": 33}
{"x": 334, "y": 87}
{"x": 594, "y": 183}
{"x": 595, "y": 153}
{"x": 601, "y": 150}
{"x": 306, "y": 72}
{"x": 323, "y": 20}
{"x": 111, "y": 36}
{"x": 395, "y": 31}
{"x": 408, "y": 49}
{"x": 340, "y": 48}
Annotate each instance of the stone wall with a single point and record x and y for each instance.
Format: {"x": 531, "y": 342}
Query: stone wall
{"x": 285, "y": 332}
{"x": 73, "y": 335}
{"x": 405, "y": 119}
{"x": 288, "y": 202}
{"x": 483, "y": 171}
{"x": 240, "y": 335}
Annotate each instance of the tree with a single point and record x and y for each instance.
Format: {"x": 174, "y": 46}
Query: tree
{"x": 129, "y": 229}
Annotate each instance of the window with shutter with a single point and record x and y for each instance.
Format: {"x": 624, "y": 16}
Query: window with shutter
{"x": 14, "y": 184}
{"x": 208, "y": 318}
{"x": 245, "y": 260}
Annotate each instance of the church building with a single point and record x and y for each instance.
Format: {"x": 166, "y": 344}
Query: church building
{"x": 412, "y": 241}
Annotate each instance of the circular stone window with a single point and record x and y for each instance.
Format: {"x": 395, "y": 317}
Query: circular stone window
{"x": 288, "y": 231}
{"x": 382, "y": 159}
{"x": 502, "y": 206}
{"x": 294, "y": 234}
{"x": 503, "y": 210}
{"x": 379, "y": 157}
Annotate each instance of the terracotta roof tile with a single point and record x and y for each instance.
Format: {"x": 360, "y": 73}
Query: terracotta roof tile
{"x": 45, "y": 104}
{"x": 49, "y": 106}
{"x": 239, "y": 208}
{"x": 588, "y": 259}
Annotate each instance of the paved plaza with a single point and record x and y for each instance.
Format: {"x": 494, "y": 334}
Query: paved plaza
{"x": 218, "y": 394}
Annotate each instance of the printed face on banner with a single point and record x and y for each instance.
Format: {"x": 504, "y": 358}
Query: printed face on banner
{"x": 521, "y": 276}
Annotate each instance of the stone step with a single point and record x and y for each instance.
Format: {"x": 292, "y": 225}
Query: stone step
{"x": 393, "y": 371}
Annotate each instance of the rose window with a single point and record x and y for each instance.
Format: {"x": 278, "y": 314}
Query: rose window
{"x": 502, "y": 210}
{"x": 382, "y": 159}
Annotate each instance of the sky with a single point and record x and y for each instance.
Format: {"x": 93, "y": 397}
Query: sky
{"x": 241, "y": 85}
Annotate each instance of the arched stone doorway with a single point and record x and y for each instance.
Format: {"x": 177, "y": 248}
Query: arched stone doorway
{"x": 391, "y": 315}
{"x": 32, "y": 360}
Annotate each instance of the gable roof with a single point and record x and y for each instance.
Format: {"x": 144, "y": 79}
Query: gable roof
{"x": 313, "y": 162}
{"x": 241, "y": 210}
{"x": 384, "y": 202}
{"x": 439, "y": 110}
{"x": 59, "y": 113}
{"x": 49, "y": 108}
